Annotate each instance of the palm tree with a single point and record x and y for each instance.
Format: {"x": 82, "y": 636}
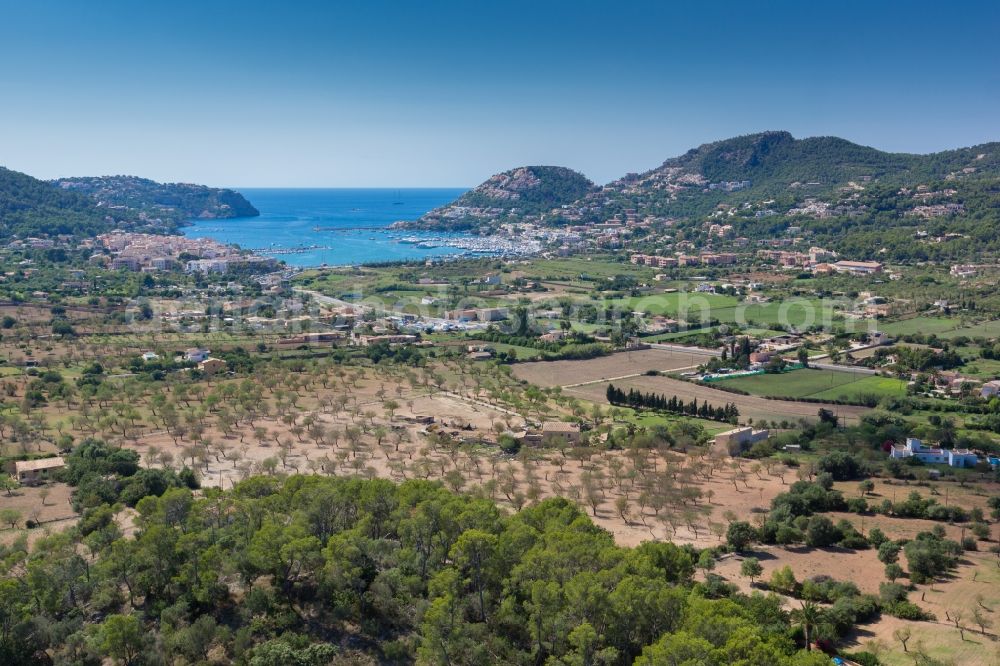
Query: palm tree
{"x": 809, "y": 617}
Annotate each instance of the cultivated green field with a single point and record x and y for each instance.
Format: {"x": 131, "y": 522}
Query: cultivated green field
{"x": 648, "y": 420}
{"x": 694, "y": 307}
{"x": 982, "y": 368}
{"x": 987, "y": 329}
{"x": 925, "y": 325}
{"x": 866, "y": 386}
{"x": 820, "y": 384}
{"x": 943, "y": 327}
{"x": 684, "y": 305}
{"x": 797, "y": 312}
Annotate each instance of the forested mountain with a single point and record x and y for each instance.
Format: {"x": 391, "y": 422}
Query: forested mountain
{"x": 31, "y": 207}
{"x": 776, "y": 165}
{"x": 85, "y": 207}
{"x": 772, "y": 160}
{"x": 525, "y": 191}
{"x": 175, "y": 201}
{"x": 853, "y": 191}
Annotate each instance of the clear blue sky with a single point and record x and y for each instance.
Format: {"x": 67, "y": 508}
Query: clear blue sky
{"x": 373, "y": 93}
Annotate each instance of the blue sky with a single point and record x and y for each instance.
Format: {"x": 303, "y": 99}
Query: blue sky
{"x": 374, "y": 93}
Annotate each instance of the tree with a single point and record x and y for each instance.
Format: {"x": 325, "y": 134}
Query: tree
{"x": 822, "y": 532}
{"x": 827, "y": 416}
{"x": 888, "y": 552}
{"x": 751, "y": 568}
{"x": 802, "y": 355}
{"x": 808, "y": 616}
{"x": 902, "y": 635}
{"x": 739, "y": 535}
{"x": 706, "y": 562}
{"x": 981, "y": 619}
{"x": 9, "y": 484}
{"x": 121, "y": 637}
{"x": 10, "y": 517}
{"x": 893, "y": 571}
{"x": 783, "y": 580}
{"x": 473, "y": 553}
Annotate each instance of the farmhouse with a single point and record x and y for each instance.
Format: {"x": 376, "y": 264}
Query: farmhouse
{"x": 211, "y": 366}
{"x": 369, "y": 340}
{"x": 482, "y": 314}
{"x": 567, "y": 432}
{"x": 858, "y": 267}
{"x": 735, "y": 441}
{"x": 30, "y": 472}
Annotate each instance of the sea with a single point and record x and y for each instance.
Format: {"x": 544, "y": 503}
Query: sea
{"x": 333, "y": 227}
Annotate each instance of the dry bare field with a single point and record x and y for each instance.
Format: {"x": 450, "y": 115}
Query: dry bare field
{"x": 621, "y": 364}
{"x": 750, "y": 406}
{"x": 53, "y": 513}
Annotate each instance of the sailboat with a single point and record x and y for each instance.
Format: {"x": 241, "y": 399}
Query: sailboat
{"x": 397, "y": 202}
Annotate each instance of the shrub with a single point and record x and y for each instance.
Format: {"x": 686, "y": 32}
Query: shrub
{"x": 840, "y": 465}
{"x": 888, "y": 552}
{"x": 906, "y": 610}
{"x": 509, "y": 444}
{"x": 740, "y": 535}
{"x": 863, "y": 658}
{"x": 822, "y": 532}
{"x": 876, "y": 537}
{"x": 857, "y": 505}
{"x": 783, "y": 580}
{"x": 890, "y": 593}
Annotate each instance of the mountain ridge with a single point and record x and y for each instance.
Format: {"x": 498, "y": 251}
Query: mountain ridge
{"x": 173, "y": 200}
{"x": 87, "y": 206}
{"x": 768, "y": 164}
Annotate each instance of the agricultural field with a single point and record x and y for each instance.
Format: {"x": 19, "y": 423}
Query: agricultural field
{"x": 815, "y": 383}
{"x": 621, "y": 364}
{"x": 697, "y": 307}
{"x": 983, "y": 368}
{"x": 683, "y": 305}
{"x": 879, "y": 387}
{"x": 750, "y": 406}
{"x": 986, "y": 329}
{"x": 942, "y": 327}
{"x": 594, "y": 268}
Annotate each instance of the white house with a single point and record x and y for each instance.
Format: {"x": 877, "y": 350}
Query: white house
{"x": 196, "y": 355}
{"x": 990, "y": 389}
{"x": 914, "y": 448}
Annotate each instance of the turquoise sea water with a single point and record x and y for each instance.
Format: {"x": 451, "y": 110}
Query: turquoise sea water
{"x": 312, "y": 227}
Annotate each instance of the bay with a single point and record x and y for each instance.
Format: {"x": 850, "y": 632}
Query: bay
{"x": 334, "y": 227}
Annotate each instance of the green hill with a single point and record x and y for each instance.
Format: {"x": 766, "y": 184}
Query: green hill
{"x": 173, "y": 201}
{"x": 85, "y": 207}
{"x": 31, "y": 207}
{"x": 767, "y": 165}
{"x": 777, "y": 160}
